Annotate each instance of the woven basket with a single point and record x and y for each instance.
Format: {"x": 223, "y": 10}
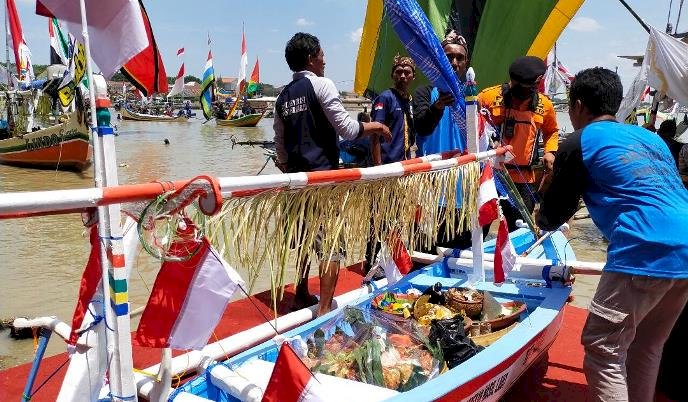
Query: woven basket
{"x": 455, "y": 300}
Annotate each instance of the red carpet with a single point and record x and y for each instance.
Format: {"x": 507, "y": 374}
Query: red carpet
{"x": 558, "y": 377}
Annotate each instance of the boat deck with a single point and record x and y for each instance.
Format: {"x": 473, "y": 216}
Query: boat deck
{"x": 557, "y": 378}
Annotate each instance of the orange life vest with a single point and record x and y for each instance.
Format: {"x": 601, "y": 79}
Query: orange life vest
{"x": 519, "y": 128}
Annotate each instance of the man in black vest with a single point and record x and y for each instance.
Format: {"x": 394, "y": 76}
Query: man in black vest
{"x": 309, "y": 118}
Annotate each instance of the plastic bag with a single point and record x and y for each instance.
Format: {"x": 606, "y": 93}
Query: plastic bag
{"x": 455, "y": 345}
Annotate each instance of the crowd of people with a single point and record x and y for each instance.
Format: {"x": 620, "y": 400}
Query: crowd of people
{"x": 627, "y": 176}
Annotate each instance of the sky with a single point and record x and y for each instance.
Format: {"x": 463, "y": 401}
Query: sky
{"x": 599, "y": 32}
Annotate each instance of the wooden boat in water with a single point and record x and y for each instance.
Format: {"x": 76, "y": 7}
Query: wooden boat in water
{"x": 484, "y": 377}
{"x": 249, "y": 120}
{"x": 64, "y": 146}
{"x": 129, "y": 115}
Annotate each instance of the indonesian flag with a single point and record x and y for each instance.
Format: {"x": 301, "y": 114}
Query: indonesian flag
{"x": 178, "y": 83}
{"x": 188, "y": 297}
{"x": 243, "y": 64}
{"x": 505, "y": 255}
{"x": 394, "y": 258}
{"x": 487, "y": 197}
{"x": 291, "y": 381}
{"x": 22, "y": 54}
{"x": 116, "y": 28}
{"x": 90, "y": 280}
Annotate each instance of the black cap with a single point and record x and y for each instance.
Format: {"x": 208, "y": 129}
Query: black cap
{"x": 527, "y": 69}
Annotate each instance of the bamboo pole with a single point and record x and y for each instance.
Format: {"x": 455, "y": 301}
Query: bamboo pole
{"x": 33, "y": 203}
{"x": 118, "y": 336}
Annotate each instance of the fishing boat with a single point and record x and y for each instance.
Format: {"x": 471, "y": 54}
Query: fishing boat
{"x": 488, "y": 375}
{"x": 249, "y": 120}
{"x": 243, "y": 89}
{"x": 130, "y": 115}
{"x": 62, "y": 146}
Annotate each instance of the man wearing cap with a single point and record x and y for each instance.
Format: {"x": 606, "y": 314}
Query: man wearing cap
{"x": 393, "y": 109}
{"x": 522, "y": 115}
{"x": 436, "y": 130}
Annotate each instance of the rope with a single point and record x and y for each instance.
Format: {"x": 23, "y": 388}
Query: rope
{"x": 27, "y": 398}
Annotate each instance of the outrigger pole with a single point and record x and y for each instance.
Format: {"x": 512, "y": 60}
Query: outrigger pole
{"x": 637, "y": 17}
{"x": 116, "y": 311}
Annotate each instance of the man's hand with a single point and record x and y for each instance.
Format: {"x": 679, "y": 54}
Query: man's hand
{"x": 548, "y": 161}
{"x": 445, "y": 99}
{"x": 377, "y": 128}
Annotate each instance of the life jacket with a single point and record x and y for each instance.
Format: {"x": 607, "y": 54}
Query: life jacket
{"x": 519, "y": 128}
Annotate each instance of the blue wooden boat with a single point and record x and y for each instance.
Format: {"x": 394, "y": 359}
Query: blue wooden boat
{"x": 484, "y": 377}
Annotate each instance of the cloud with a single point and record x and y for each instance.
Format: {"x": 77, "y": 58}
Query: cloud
{"x": 356, "y": 35}
{"x": 584, "y": 24}
{"x": 302, "y": 22}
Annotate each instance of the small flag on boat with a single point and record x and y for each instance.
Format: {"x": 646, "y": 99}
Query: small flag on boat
{"x": 394, "y": 258}
{"x": 146, "y": 70}
{"x": 116, "y": 28}
{"x": 90, "y": 281}
{"x": 178, "y": 83}
{"x": 188, "y": 298}
{"x": 505, "y": 254}
{"x": 243, "y": 64}
{"x": 255, "y": 79}
{"x": 180, "y": 52}
{"x": 59, "y": 43}
{"x": 291, "y": 381}
{"x": 488, "y": 203}
{"x": 208, "y": 87}
{"x": 22, "y": 54}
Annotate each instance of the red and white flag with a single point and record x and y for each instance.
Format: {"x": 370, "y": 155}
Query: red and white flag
{"x": 180, "y": 52}
{"x": 291, "y": 381}
{"x": 116, "y": 28}
{"x": 394, "y": 258}
{"x": 178, "y": 83}
{"x": 22, "y": 54}
{"x": 488, "y": 204}
{"x": 505, "y": 254}
{"x": 90, "y": 280}
{"x": 188, "y": 298}
{"x": 243, "y": 64}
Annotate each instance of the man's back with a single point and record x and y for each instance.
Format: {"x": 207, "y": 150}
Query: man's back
{"x": 636, "y": 198}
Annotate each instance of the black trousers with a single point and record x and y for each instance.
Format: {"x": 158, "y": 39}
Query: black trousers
{"x": 530, "y": 198}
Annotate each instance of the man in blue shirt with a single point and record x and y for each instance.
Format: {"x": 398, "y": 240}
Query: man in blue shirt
{"x": 393, "y": 109}
{"x": 631, "y": 187}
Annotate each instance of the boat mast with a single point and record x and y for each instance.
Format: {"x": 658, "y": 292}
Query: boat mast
{"x": 118, "y": 336}
{"x": 8, "y": 96}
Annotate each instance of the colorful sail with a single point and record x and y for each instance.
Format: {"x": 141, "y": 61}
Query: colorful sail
{"x": 22, "y": 54}
{"x": 208, "y": 87}
{"x": 497, "y": 32}
{"x": 254, "y": 82}
{"x": 179, "y": 81}
{"x": 146, "y": 70}
{"x": 242, "y": 65}
{"x": 59, "y": 43}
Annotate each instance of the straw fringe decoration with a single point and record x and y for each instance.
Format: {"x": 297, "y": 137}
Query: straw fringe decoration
{"x": 277, "y": 228}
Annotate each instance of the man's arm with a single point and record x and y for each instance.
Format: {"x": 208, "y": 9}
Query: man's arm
{"x": 569, "y": 180}
{"x": 344, "y": 125}
{"x": 280, "y": 150}
{"x": 425, "y": 116}
{"x": 550, "y": 134}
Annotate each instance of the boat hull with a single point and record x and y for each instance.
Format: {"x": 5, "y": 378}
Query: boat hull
{"x": 250, "y": 120}
{"x": 129, "y": 115}
{"x": 64, "y": 146}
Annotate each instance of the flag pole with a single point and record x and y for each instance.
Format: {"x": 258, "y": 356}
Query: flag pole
{"x": 471, "y": 97}
{"x": 116, "y": 309}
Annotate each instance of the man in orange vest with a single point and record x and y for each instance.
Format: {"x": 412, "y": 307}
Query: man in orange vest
{"x": 522, "y": 116}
